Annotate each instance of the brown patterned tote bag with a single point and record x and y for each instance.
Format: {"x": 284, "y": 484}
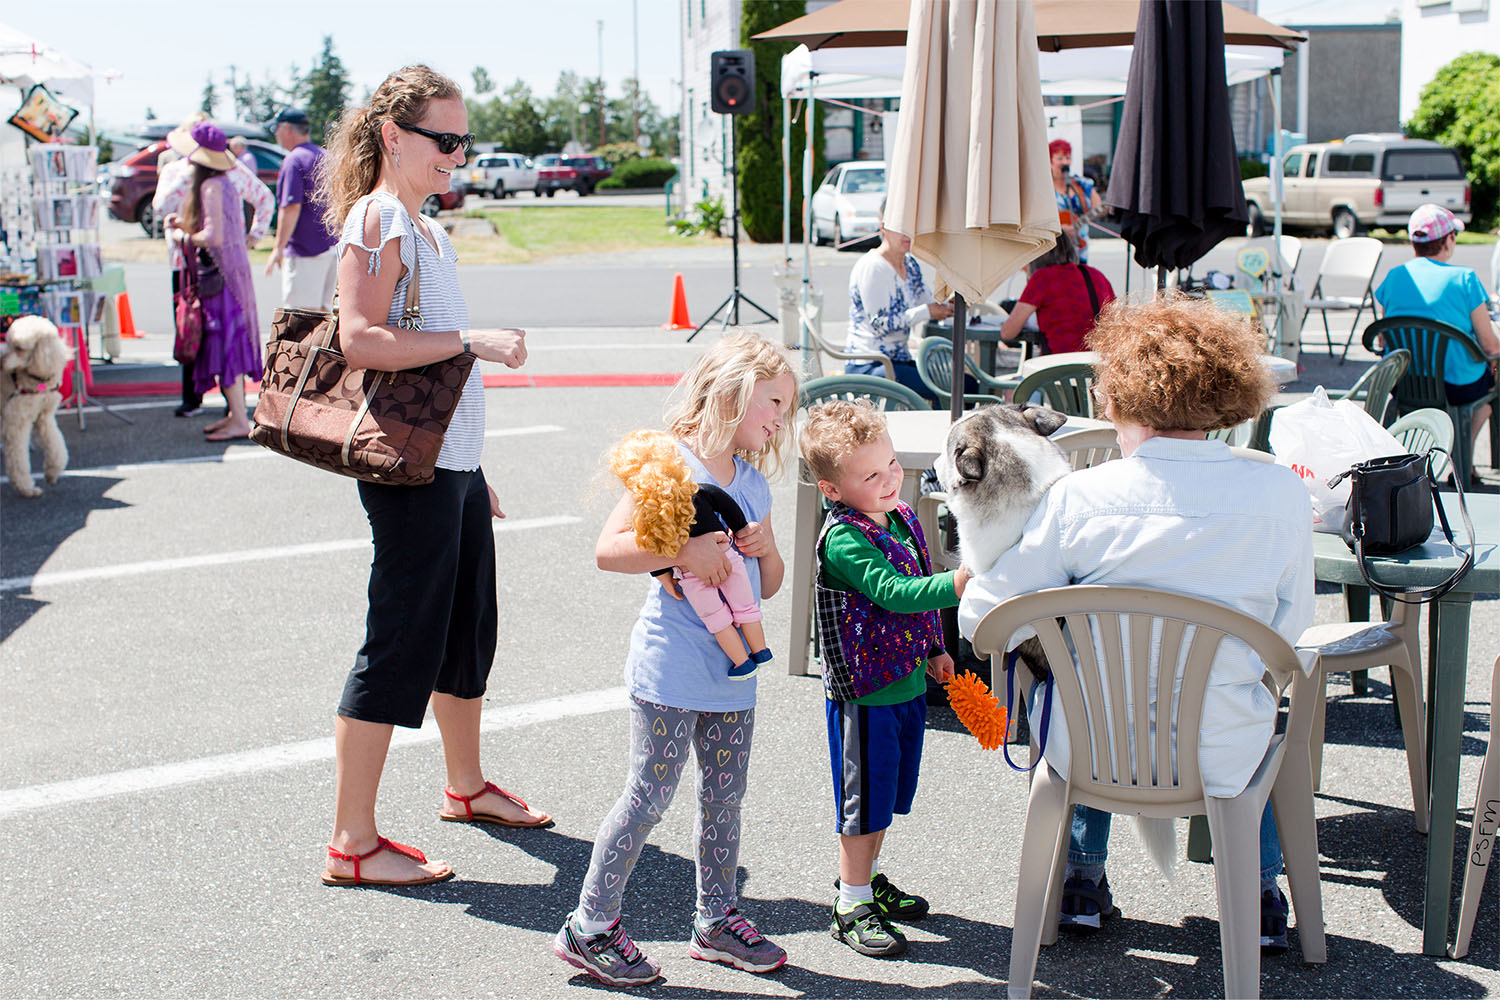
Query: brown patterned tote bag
{"x": 382, "y": 427}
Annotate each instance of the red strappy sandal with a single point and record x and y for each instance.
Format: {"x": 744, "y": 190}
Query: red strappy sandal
{"x": 329, "y": 878}
{"x": 470, "y": 816}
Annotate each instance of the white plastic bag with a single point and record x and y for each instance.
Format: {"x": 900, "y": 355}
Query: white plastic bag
{"x": 1318, "y": 439}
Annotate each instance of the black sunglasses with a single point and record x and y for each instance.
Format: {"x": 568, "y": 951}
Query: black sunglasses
{"x": 447, "y": 142}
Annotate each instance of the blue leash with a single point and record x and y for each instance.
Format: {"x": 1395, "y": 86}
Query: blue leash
{"x": 1011, "y": 659}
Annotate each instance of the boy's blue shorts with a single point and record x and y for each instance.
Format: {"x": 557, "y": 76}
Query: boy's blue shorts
{"x": 876, "y": 752}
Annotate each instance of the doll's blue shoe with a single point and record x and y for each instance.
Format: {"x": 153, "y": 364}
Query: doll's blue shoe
{"x": 761, "y": 656}
{"x": 744, "y": 671}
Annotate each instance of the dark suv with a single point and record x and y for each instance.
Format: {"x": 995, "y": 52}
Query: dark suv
{"x": 133, "y": 181}
{"x": 577, "y": 173}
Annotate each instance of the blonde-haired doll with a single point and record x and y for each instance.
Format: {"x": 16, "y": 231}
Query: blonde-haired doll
{"x": 669, "y": 509}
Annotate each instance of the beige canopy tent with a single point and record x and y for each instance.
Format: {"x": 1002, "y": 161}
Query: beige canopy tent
{"x": 1060, "y": 24}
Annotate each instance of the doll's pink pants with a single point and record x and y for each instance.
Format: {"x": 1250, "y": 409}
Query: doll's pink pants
{"x": 736, "y": 606}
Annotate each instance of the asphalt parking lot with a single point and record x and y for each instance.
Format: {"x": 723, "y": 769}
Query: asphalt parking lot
{"x": 176, "y": 619}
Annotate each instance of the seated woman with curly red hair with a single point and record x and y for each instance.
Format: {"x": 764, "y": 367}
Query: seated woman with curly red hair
{"x": 1181, "y": 513}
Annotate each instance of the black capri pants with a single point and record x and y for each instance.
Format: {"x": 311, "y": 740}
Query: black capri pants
{"x": 432, "y": 619}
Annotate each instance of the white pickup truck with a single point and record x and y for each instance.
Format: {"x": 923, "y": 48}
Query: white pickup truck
{"x": 1364, "y": 181}
{"x": 501, "y": 174}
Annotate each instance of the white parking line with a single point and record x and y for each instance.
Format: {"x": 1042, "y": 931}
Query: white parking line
{"x": 234, "y": 765}
{"x": 254, "y": 454}
{"x": 52, "y": 579}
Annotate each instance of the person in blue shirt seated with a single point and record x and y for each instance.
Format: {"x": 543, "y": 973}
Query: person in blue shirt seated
{"x": 1431, "y": 286}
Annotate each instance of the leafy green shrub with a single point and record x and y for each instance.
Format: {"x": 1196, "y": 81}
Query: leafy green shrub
{"x": 644, "y": 173}
{"x": 1460, "y": 107}
{"x": 617, "y": 153}
{"x": 610, "y": 183}
{"x": 757, "y": 135}
{"x": 710, "y": 216}
{"x": 1253, "y": 168}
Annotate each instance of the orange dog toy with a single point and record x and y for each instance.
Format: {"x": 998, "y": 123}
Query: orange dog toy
{"x": 978, "y": 709}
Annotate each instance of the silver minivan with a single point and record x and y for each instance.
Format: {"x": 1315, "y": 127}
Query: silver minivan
{"x": 1366, "y": 180}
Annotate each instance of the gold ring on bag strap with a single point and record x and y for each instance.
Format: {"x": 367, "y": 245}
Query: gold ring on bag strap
{"x": 411, "y": 314}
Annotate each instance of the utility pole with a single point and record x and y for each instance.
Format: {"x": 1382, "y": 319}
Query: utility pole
{"x": 601, "y": 81}
{"x": 635, "y": 49}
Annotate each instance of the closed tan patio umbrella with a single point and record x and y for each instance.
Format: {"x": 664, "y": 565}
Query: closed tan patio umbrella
{"x": 969, "y": 178}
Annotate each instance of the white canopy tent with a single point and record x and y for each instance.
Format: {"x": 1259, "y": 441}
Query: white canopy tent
{"x": 841, "y": 74}
{"x": 26, "y": 62}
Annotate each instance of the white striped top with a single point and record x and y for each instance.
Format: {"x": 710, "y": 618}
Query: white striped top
{"x": 442, "y": 304}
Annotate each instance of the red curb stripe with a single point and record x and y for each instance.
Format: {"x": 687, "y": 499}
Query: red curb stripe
{"x": 107, "y": 390}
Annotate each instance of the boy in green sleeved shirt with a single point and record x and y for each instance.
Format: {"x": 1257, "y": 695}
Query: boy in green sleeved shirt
{"x": 877, "y": 604}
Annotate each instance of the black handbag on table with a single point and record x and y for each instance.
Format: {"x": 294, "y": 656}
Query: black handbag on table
{"x": 1390, "y": 507}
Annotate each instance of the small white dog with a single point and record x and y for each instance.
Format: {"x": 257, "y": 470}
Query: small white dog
{"x": 32, "y": 360}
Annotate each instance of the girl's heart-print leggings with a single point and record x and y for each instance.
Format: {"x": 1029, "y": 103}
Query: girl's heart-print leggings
{"x": 660, "y": 740}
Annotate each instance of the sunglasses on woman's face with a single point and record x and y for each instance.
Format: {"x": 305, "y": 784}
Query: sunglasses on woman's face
{"x": 447, "y": 142}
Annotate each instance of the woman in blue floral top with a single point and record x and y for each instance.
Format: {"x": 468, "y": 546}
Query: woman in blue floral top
{"x": 887, "y": 299}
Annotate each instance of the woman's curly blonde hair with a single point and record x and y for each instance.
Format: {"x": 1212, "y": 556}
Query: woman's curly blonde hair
{"x": 1179, "y": 364}
{"x": 652, "y": 469}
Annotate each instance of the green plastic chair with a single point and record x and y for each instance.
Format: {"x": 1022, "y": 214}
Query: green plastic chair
{"x": 1375, "y": 386}
{"x": 884, "y": 393}
{"x": 1421, "y": 430}
{"x": 1422, "y": 386}
{"x": 935, "y": 366}
{"x": 1065, "y": 388}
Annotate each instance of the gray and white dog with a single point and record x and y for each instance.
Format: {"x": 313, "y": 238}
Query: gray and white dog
{"x": 997, "y": 465}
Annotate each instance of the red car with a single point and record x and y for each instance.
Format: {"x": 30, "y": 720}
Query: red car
{"x": 133, "y": 181}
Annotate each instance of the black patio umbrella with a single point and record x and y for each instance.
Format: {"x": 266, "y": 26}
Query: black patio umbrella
{"x": 1175, "y": 181}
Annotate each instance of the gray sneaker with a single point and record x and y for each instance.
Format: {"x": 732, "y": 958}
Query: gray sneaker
{"x": 610, "y": 957}
{"x": 735, "y": 940}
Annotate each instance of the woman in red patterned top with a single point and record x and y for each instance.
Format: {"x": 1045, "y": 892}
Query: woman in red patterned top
{"x": 1064, "y": 294}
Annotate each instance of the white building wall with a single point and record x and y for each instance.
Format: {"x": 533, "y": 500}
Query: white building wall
{"x": 1434, "y": 33}
{"x": 707, "y": 27}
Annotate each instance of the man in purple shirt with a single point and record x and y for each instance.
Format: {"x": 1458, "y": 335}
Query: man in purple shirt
{"x": 304, "y": 246}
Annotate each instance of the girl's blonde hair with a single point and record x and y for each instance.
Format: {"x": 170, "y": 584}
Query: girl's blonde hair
{"x": 712, "y": 397}
{"x": 354, "y": 145}
{"x": 652, "y": 469}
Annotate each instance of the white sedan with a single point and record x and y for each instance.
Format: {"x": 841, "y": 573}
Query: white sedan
{"x": 846, "y": 206}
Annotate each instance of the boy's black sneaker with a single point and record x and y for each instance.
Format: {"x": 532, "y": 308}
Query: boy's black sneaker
{"x": 892, "y": 902}
{"x": 867, "y": 931}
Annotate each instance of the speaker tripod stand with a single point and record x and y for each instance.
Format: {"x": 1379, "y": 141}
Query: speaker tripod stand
{"x": 732, "y": 303}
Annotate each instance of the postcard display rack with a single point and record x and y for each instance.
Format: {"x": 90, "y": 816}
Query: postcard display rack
{"x": 56, "y": 217}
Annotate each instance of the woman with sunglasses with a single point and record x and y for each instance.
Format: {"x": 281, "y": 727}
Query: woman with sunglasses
{"x": 431, "y": 629}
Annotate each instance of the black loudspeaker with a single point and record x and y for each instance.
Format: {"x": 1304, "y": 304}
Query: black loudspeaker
{"x": 731, "y": 82}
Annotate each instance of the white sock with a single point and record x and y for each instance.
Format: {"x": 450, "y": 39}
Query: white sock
{"x": 851, "y": 896}
{"x": 874, "y": 867}
{"x": 591, "y": 927}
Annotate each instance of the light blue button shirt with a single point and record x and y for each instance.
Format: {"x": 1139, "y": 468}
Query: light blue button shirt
{"x": 1184, "y": 516}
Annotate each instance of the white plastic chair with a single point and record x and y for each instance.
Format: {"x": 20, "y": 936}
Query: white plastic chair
{"x": 1164, "y": 780}
{"x": 1423, "y": 429}
{"x": 1482, "y": 833}
{"x": 1348, "y": 266}
{"x": 1345, "y": 646}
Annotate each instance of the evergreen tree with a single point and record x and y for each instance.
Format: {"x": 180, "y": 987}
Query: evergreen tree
{"x": 482, "y": 82}
{"x": 325, "y": 90}
{"x": 758, "y": 134}
{"x": 525, "y": 127}
{"x": 208, "y": 102}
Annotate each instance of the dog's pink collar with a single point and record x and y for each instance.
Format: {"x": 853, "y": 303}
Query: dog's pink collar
{"x": 40, "y": 387}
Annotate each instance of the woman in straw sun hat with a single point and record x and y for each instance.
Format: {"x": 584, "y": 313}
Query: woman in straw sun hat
{"x": 211, "y": 231}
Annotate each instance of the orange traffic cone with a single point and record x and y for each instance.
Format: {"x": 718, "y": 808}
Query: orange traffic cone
{"x": 679, "y": 319}
{"x": 127, "y": 319}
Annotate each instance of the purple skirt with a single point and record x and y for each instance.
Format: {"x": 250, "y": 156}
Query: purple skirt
{"x": 231, "y": 344}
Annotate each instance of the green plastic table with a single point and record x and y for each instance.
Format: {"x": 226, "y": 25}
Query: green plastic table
{"x": 1447, "y": 657}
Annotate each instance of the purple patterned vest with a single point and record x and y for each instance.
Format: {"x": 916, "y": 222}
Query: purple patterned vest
{"x": 864, "y": 647}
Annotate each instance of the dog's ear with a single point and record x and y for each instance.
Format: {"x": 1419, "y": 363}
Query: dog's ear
{"x": 968, "y": 462}
{"x": 1045, "y": 420}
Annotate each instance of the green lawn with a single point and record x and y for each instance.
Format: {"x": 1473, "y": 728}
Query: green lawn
{"x": 540, "y": 232}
